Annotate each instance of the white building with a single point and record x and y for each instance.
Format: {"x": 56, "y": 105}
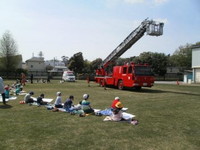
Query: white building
{"x": 196, "y": 63}
{"x": 35, "y": 64}
{"x": 54, "y": 63}
{"x": 59, "y": 69}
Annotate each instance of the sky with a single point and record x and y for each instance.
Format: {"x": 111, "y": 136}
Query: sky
{"x": 96, "y": 27}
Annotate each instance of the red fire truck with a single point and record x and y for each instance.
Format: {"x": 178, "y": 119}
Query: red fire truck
{"x": 129, "y": 75}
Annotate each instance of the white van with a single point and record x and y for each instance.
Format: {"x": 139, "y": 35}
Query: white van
{"x": 68, "y": 76}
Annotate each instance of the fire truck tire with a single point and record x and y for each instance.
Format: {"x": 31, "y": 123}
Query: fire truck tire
{"x": 138, "y": 88}
{"x": 120, "y": 85}
{"x": 101, "y": 83}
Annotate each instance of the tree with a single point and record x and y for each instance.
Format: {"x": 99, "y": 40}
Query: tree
{"x": 87, "y": 67}
{"x": 197, "y": 44}
{"x": 122, "y": 61}
{"x": 76, "y": 63}
{"x": 95, "y": 64}
{"x": 158, "y": 61}
{"x": 145, "y": 57}
{"x": 182, "y": 57}
{"x": 8, "y": 51}
{"x": 65, "y": 60}
{"x": 40, "y": 54}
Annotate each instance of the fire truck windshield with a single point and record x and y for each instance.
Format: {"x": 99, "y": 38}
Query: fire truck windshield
{"x": 143, "y": 71}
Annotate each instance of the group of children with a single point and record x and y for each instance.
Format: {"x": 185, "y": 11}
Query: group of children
{"x": 114, "y": 113}
{"x": 28, "y": 99}
{"x": 8, "y": 90}
{"x": 82, "y": 108}
{"x": 14, "y": 89}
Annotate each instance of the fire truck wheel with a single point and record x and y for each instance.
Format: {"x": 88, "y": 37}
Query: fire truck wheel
{"x": 138, "y": 88}
{"x": 100, "y": 83}
{"x": 120, "y": 85}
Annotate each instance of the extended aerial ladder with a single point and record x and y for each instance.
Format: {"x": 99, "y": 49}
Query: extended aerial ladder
{"x": 151, "y": 27}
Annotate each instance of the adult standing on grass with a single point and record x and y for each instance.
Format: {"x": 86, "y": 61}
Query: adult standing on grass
{"x": 23, "y": 79}
{"x": 31, "y": 78}
{"x": 48, "y": 78}
{"x": 2, "y": 90}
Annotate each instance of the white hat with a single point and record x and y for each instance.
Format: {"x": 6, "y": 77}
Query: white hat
{"x": 117, "y": 98}
{"x": 85, "y": 96}
{"x": 58, "y": 93}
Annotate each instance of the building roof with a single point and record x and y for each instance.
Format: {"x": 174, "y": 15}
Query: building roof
{"x": 41, "y": 59}
{"x": 60, "y": 67}
{"x": 195, "y": 46}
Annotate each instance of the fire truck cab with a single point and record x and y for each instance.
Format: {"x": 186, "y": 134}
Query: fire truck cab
{"x": 132, "y": 76}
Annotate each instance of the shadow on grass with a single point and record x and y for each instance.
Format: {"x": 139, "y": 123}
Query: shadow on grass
{"x": 185, "y": 93}
{"x": 144, "y": 90}
{"x": 6, "y": 106}
{"x": 153, "y": 91}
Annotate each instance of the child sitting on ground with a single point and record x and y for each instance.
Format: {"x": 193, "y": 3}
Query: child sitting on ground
{"x": 116, "y": 105}
{"x": 116, "y": 108}
{"x": 116, "y": 113}
{"x": 58, "y": 101}
{"x": 85, "y": 105}
{"x": 28, "y": 98}
{"x": 7, "y": 91}
{"x": 17, "y": 89}
{"x": 68, "y": 104}
{"x": 40, "y": 101}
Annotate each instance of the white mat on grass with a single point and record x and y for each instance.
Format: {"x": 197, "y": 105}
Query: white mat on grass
{"x": 23, "y": 93}
{"x": 97, "y": 110}
{"x": 62, "y": 109}
{"x": 12, "y": 98}
{"x": 48, "y": 100}
{"x": 127, "y": 116}
{"x": 8, "y": 99}
{"x": 124, "y": 109}
{"x": 2, "y": 100}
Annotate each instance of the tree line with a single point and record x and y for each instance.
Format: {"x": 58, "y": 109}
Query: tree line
{"x": 181, "y": 58}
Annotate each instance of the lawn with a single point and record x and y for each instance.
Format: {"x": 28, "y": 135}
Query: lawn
{"x": 169, "y": 119}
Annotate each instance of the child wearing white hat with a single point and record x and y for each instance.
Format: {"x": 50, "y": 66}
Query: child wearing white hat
{"x": 58, "y": 101}
{"x": 85, "y": 105}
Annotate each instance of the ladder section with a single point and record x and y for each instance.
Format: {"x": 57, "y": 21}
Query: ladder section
{"x": 151, "y": 27}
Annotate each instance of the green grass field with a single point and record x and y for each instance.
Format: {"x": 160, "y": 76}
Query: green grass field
{"x": 169, "y": 119}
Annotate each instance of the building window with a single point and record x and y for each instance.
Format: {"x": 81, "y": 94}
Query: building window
{"x": 31, "y": 66}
